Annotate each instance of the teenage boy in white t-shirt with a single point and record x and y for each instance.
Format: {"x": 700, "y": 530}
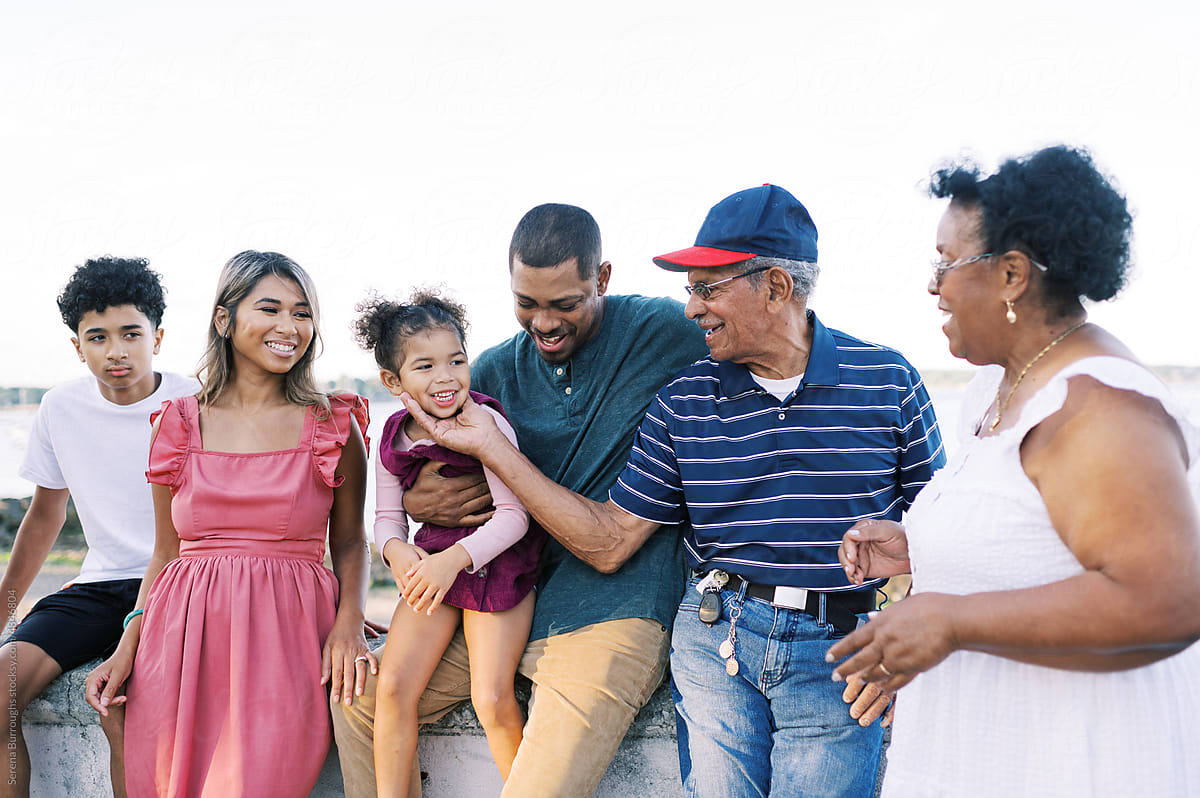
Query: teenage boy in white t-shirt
{"x": 90, "y": 440}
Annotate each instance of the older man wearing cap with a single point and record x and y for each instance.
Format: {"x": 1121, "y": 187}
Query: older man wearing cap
{"x": 771, "y": 447}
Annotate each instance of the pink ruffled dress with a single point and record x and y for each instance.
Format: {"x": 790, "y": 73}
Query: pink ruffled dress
{"x": 225, "y": 696}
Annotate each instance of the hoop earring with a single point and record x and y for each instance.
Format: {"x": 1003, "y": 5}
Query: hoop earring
{"x": 1011, "y": 315}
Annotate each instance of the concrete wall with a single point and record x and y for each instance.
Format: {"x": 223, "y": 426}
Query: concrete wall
{"x": 70, "y": 753}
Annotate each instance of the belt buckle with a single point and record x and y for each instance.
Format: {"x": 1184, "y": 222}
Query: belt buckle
{"x": 791, "y": 598}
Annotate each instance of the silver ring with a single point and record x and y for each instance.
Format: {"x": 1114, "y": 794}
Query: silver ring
{"x": 360, "y": 658}
{"x": 883, "y": 668}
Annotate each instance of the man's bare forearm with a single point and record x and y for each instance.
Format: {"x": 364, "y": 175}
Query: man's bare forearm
{"x": 459, "y": 501}
{"x": 602, "y": 535}
{"x": 35, "y": 538}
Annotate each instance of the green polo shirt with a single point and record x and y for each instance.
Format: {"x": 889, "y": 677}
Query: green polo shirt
{"x": 575, "y": 421}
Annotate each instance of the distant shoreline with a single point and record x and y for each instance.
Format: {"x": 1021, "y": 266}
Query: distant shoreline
{"x": 946, "y": 386}
{"x": 370, "y": 387}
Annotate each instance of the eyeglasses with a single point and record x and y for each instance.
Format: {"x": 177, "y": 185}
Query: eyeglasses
{"x": 704, "y": 290}
{"x": 940, "y": 267}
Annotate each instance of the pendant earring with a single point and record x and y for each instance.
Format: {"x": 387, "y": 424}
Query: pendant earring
{"x": 1011, "y": 315}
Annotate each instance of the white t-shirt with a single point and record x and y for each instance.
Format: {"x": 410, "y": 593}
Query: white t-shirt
{"x": 99, "y": 451}
{"x": 780, "y": 389}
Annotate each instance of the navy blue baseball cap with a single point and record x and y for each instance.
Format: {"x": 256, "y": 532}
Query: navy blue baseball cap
{"x": 764, "y": 221}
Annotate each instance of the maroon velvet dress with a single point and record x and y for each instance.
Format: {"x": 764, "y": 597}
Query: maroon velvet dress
{"x": 508, "y": 578}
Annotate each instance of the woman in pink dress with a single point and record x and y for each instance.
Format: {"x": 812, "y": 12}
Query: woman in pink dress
{"x": 243, "y": 625}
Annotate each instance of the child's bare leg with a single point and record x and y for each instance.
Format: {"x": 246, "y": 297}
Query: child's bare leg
{"x": 495, "y": 643}
{"x": 414, "y": 648}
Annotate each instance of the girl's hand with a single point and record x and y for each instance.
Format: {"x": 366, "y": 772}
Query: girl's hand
{"x": 106, "y": 680}
{"x": 400, "y": 557}
{"x": 428, "y": 580}
{"x": 346, "y": 659}
{"x": 900, "y": 642}
{"x": 874, "y": 548}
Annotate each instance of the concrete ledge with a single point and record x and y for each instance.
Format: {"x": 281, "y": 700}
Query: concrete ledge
{"x": 69, "y": 752}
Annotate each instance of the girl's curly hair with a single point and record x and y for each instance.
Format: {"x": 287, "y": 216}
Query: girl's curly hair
{"x": 383, "y": 326}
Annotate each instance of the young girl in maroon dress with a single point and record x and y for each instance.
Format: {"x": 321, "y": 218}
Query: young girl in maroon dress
{"x": 243, "y": 624}
{"x": 482, "y": 578}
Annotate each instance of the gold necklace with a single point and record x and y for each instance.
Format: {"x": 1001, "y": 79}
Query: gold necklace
{"x": 1001, "y": 405}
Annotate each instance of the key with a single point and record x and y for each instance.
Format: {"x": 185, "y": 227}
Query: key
{"x": 711, "y": 580}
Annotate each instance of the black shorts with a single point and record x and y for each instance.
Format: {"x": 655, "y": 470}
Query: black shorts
{"x": 80, "y": 622}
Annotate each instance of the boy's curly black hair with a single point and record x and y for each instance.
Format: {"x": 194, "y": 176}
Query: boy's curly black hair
{"x": 383, "y": 326}
{"x": 1056, "y": 207}
{"x": 106, "y": 282}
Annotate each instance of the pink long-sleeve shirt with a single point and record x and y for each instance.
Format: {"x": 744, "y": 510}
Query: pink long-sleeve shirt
{"x": 504, "y": 528}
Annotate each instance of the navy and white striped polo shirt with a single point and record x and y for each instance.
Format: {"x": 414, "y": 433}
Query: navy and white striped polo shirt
{"x": 770, "y": 487}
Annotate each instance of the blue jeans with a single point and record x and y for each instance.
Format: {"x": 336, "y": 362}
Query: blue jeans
{"x": 777, "y": 728}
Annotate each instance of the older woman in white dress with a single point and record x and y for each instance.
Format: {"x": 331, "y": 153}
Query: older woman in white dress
{"x": 1046, "y": 649}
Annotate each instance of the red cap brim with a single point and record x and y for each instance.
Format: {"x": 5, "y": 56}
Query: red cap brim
{"x": 700, "y": 258}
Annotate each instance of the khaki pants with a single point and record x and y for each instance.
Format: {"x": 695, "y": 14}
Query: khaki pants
{"x": 587, "y": 687}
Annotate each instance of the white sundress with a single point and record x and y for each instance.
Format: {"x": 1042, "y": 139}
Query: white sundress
{"x": 981, "y": 725}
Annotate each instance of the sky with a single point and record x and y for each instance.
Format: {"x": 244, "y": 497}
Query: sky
{"x": 389, "y": 145}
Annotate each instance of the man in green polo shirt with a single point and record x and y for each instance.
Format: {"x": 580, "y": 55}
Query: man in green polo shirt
{"x": 575, "y": 385}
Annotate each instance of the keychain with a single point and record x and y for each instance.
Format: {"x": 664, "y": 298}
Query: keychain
{"x": 727, "y": 648}
{"x": 710, "y": 597}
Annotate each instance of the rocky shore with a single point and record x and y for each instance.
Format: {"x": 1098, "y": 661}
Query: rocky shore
{"x": 13, "y": 510}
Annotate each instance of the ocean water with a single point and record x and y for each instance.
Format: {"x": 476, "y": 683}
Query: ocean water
{"x": 15, "y": 423}
{"x": 14, "y": 434}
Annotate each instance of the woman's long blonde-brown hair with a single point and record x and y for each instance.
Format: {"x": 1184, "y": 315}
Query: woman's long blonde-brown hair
{"x": 238, "y": 278}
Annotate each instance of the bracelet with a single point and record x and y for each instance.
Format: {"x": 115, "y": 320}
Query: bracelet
{"x": 129, "y": 618}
